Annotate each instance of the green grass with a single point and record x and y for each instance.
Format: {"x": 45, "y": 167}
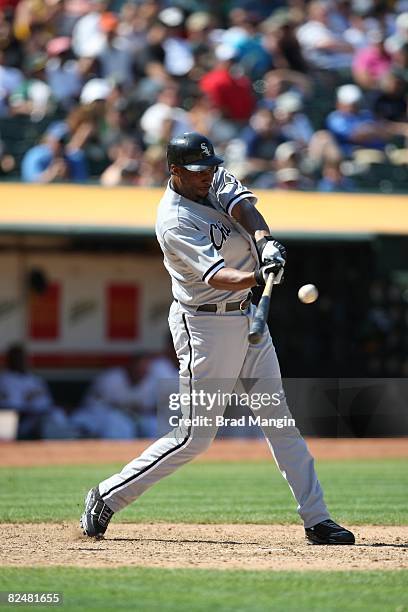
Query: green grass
{"x": 357, "y": 492}
{"x": 203, "y": 590}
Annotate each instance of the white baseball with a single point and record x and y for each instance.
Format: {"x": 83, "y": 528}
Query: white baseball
{"x": 308, "y": 294}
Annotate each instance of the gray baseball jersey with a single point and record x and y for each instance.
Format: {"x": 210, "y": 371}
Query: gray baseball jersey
{"x": 198, "y": 239}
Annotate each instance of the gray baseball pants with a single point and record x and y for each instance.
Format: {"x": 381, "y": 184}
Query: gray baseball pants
{"x": 215, "y": 356}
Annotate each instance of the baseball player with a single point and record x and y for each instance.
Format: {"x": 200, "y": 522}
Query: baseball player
{"x": 216, "y": 247}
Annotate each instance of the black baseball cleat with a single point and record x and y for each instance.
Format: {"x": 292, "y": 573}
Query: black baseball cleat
{"x": 329, "y": 532}
{"x": 96, "y": 516}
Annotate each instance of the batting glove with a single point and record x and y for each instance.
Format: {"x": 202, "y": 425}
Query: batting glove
{"x": 275, "y": 267}
{"x": 269, "y": 249}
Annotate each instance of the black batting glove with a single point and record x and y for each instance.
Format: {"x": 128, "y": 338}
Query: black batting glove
{"x": 275, "y": 267}
{"x": 269, "y": 248}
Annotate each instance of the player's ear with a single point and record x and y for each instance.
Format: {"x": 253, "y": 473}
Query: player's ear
{"x": 174, "y": 170}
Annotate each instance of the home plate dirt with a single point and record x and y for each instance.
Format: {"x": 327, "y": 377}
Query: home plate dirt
{"x": 274, "y": 547}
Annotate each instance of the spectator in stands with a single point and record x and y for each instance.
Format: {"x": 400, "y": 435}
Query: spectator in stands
{"x": 11, "y": 80}
{"x": 55, "y": 159}
{"x": 88, "y": 38}
{"x": 341, "y": 15}
{"x": 371, "y": 63}
{"x": 178, "y": 55}
{"x": 165, "y": 118}
{"x": 279, "y": 38}
{"x": 399, "y": 38}
{"x": 32, "y": 18}
{"x": 290, "y": 179}
{"x": 202, "y": 118}
{"x": 6, "y": 30}
{"x": 34, "y": 96}
{"x": 154, "y": 171}
{"x": 126, "y": 165}
{"x": 162, "y": 380}
{"x": 287, "y": 155}
{"x": 294, "y": 124}
{"x": 229, "y": 92}
{"x": 278, "y": 82}
{"x": 116, "y": 57}
{"x": 400, "y": 61}
{"x": 149, "y": 61}
{"x": 251, "y": 55}
{"x": 322, "y": 47}
{"x": 94, "y": 124}
{"x": 389, "y": 100}
{"x": 205, "y": 119}
{"x": 355, "y": 128}
{"x": 356, "y": 33}
{"x": 198, "y": 28}
{"x": 261, "y": 138}
{"x": 134, "y": 23}
{"x": 29, "y": 395}
{"x": 117, "y": 120}
{"x": 119, "y": 403}
{"x": 63, "y": 72}
{"x": 334, "y": 180}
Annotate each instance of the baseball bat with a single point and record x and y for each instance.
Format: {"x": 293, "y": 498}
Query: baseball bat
{"x": 261, "y": 314}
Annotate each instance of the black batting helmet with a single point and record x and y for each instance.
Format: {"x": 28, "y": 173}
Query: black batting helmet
{"x": 192, "y": 151}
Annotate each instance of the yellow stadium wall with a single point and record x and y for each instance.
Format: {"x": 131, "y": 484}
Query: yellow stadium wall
{"x": 68, "y": 208}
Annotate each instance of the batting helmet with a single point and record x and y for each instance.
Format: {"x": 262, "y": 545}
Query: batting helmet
{"x": 192, "y": 151}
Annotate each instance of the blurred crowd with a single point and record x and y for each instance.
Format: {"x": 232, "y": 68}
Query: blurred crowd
{"x": 121, "y": 402}
{"x": 296, "y": 95}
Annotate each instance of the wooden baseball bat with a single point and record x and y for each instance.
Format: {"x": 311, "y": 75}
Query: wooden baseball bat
{"x": 261, "y": 314}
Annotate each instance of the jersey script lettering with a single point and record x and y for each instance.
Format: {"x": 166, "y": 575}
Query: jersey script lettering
{"x": 219, "y": 234}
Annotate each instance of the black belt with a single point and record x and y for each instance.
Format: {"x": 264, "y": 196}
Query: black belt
{"x": 229, "y": 306}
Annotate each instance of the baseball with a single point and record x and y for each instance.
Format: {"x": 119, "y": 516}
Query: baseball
{"x": 308, "y": 294}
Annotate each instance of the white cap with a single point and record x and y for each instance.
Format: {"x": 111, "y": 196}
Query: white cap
{"x": 197, "y": 22}
{"x": 286, "y": 175}
{"x": 39, "y": 92}
{"x": 95, "y": 89}
{"x": 290, "y": 102}
{"x": 171, "y": 17}
{"x": 285, "y": 150}
{"x": 224, "y": 52}
{"x": 349, "y": 94}
{"x": 88, "y": 40}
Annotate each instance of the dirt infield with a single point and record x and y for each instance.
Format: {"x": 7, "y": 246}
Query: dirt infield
{"x": 255, "y": 547}
{"x": 273, "y": 547}
{"x": 24, "y": 454}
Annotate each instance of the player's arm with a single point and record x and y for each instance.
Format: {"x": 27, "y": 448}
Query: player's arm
{"x": 251, "y": 219}
{"x": 230, "y": 279}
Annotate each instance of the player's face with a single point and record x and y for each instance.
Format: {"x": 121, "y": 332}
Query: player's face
{"x": 193, "y": 185}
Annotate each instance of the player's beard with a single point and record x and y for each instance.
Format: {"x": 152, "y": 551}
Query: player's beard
{"x": 191, "y": 192}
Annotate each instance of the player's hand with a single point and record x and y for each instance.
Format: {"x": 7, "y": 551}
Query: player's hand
{"x": 269, "y": 249}
{"x": 275, "y": 267}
